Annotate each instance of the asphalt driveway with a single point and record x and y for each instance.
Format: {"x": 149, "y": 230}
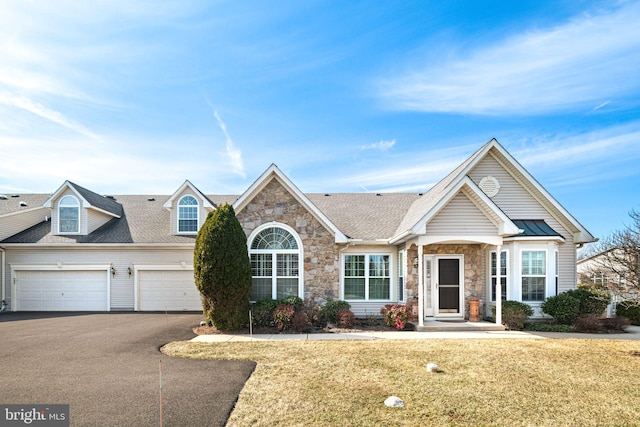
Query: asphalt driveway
{"x": 107, "y": 368}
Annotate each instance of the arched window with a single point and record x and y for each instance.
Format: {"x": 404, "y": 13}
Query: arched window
{"x": 188, "y": 215}
{"x": 275, "y": 263}
{"x": 69, "y": 215}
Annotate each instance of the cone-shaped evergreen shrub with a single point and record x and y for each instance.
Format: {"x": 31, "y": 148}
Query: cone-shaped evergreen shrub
{"x": 222, "y": 269}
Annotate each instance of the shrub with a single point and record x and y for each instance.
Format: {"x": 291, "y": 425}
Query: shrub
{"x": 514, "y": 314}
{"x": 630, "y": 311}
{"x": 564, "y": 308}
{"x": 296, "y": 302}
{"x": 615, "y": 323}
{"x": 345, "y": 318}
{"x": 396, "y": 315}
{"x": 591, "y": 301}
{"x": 588, "y": 323}
{"x": 300, "y": 322}
{"x": 331, "y": 309}
{"x": 262, "y": 312}
{"x": 569, "y": 305}
{"x": 222, "y": 270}
{"x": 314, "y": 312}
{"x": 283, "y": 316}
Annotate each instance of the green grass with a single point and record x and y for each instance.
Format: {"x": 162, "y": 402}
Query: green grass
{"x": 540, "y": 382}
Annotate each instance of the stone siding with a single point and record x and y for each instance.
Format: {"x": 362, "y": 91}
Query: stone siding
{"x": 474, "y": 271}
{"x": 320, "y": 254}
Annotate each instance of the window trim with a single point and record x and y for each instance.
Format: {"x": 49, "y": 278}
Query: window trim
{"x": 545, "y": 275}
{"x": 367, "y": 277}
{"x": 402, "y": 261}
{"x": 274, "y": 256}
{"x": 502, "y": 276}
{"x": 76, "y": 206}
{"x": 197, "y": 219}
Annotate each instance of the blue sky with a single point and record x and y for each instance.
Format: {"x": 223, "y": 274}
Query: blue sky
{"x": 135, "y": 97}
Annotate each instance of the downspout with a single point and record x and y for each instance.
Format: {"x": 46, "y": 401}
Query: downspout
{"x": 3, "y": 279}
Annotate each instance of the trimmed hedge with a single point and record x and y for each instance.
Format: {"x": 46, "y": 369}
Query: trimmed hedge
{"x": 570, "y": 305}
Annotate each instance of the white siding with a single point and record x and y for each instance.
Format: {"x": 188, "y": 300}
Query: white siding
{"x": 461, "y": 216}
{"x": 122, "y": 286}
{"x": 13, "y": 224}
{"x": 366, "y": 309}
{"x": 518, "y": 203}
{"x": 96, "y": 220}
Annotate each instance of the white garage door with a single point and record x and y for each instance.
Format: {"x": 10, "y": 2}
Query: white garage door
{"x": 61, "y": 290}
{"x": 172, "y": 290}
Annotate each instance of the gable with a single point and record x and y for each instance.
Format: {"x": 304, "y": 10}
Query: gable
{"x": 286, "y": 187}
{"x": 513, "y": 198}
{"x": 461, "y": 217}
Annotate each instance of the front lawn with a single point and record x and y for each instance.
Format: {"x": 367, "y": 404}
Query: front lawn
{"x": 482, "y": 382}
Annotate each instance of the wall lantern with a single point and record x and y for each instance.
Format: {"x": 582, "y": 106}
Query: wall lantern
{"x": 129, "y": 271}
{"x": 415, "y": 262}
{"x": 113, "y": 271}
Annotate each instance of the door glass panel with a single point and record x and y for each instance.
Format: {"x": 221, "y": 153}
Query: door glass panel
{"x": 449, "y": 285}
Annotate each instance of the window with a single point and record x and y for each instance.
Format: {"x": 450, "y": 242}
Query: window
{"x": 69, "y": 215}
{"x": 367, "y": 277}
{"x": 503, "y": 275}
{"x": 188, "y": 215}
{"x": 534, "y": 275}
{"x": 275, "y": 270}
{"x": 557, "y": 260}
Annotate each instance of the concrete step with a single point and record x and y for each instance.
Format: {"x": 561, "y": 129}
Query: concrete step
{"x": 452, "y": 326}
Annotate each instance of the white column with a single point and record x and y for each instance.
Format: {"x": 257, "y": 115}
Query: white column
{"x": 498, "y": 285}
{"x": 420, "y": 286}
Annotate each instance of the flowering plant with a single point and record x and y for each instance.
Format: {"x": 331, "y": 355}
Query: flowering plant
{"x": 396, "y": 315}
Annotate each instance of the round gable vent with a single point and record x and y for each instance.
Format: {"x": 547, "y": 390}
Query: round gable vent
{"x": 489, "y": 185}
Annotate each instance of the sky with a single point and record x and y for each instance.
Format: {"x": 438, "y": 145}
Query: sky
{"x": 135, "y": 97}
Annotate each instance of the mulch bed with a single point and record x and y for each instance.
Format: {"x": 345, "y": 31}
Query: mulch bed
{"x": 361, "y": 325}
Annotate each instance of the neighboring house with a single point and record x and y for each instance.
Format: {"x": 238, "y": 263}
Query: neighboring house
{"x": 601, "y": 271}
{"x": 77, "y": 250}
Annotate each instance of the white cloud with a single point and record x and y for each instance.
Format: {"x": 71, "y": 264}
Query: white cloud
{"x": 40, "y": 110}
{"x": 414, "y": 171}
{"x": 380, "y": 145}
{"x": 585, "y": 62}
{"x": 234, "y": 154}
{"x": 590, "y": 157}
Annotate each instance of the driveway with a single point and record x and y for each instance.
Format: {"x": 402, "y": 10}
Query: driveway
{"x": 107, "y": 368}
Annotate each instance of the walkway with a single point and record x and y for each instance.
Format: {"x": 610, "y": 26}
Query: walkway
{"x": 633, "y": 333}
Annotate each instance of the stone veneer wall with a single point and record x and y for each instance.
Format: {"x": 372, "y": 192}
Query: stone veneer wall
{"x": 321, "y": 255}
{"x": 474, "y": 271}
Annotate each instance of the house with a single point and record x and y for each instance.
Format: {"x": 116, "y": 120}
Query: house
{"x": 609, "y": 270}
{"x": 77, "y": 250}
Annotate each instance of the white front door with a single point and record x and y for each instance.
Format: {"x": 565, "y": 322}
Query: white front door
{"x": 444, "y": 285}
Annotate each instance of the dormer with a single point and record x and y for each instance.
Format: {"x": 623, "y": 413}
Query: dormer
{"x": 189, "y": 208}
{"x": 76, "y": 211}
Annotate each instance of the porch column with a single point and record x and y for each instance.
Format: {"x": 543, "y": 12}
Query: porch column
{"x": 420, "y": 286}
{"x": 498, "y": 285}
